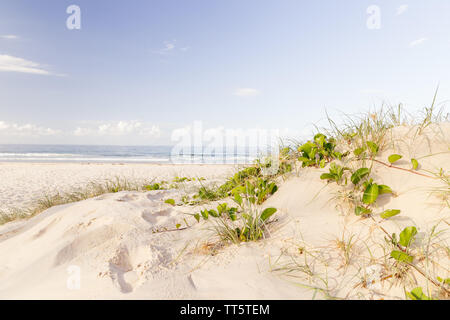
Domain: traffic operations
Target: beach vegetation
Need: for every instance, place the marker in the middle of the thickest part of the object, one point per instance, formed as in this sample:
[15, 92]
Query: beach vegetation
[318, 151]
[153, 186]
[417, 294]
[336, 173]
[415, 164]
[394, 158]
[170, 201]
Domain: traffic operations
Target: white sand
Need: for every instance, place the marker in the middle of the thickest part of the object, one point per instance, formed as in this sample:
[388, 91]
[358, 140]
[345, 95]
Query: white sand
[111, 239]
[23, 183]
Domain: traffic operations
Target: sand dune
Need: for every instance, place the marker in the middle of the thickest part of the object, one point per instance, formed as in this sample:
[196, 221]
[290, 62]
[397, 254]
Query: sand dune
[126, 245]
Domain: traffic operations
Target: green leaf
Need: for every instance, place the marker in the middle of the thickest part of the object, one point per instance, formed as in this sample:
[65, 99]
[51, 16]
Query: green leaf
[446, 281]
[232, 214]
[389, 213]
[238, 198]
[394, 158]
[154, 186]
[415, 164]
[205, 214]
[382, 188]
[327, 176]
[322, 163]
[221, 208]
[362, 211]
[307, 147]
[400, 256]
[178, 226]
[197, 217]
[358, 175]
[267, 213]
[359, 151]
[170, 201]
[213, 213]
[417, 294]
[303, 159]
[407, 236]
[370, 194]
[373, 147]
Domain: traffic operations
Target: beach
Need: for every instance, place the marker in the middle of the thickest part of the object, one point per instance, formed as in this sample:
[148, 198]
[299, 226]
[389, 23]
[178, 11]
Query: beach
[22, 183]
[137, 245]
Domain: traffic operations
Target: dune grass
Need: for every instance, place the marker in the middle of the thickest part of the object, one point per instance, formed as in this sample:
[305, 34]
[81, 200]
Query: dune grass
[350, 150]
[356, 147]
[91, 190]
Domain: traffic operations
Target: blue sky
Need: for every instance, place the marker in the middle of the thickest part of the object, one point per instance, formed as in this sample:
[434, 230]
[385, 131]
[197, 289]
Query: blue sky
[138, 69]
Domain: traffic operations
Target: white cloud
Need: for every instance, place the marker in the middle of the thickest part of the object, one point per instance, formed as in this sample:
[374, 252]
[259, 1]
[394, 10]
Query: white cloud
[14, 129]
[246, 92]
[9, 36]
[402, 9]
[14, 64]
[170, 47]
[417, 42]
[119, 128]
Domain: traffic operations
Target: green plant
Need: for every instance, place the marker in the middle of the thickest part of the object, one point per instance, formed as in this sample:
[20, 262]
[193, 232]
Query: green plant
[170, 201]
[319, 151]
[362, 211]
[373, 148]
[407, 236]
[372, 190]
[417, 294]
[359, 175]
[444, 281]
[415, 164]
[254, 224]
[285, 163]
[394, 158]
[231, 225]
[389, 213]
[181, 179]
[154, 186]
[370, 193]
[336, 172]
[255, 192]
[405, 241]
[401, 256]
[224, 190]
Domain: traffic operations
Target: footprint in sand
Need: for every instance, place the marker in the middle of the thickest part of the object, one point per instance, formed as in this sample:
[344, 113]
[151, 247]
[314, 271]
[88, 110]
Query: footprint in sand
[128, 197]
[156, 217]
[119, 266]
[156, 195]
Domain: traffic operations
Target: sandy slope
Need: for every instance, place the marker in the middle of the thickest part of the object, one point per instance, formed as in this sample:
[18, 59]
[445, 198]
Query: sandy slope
[116, 243]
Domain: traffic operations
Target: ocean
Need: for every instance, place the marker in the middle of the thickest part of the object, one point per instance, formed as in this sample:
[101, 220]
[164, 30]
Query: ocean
[117, 154]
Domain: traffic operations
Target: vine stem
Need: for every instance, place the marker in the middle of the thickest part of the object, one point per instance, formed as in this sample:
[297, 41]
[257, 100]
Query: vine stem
[437, 284]
[407, 170]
